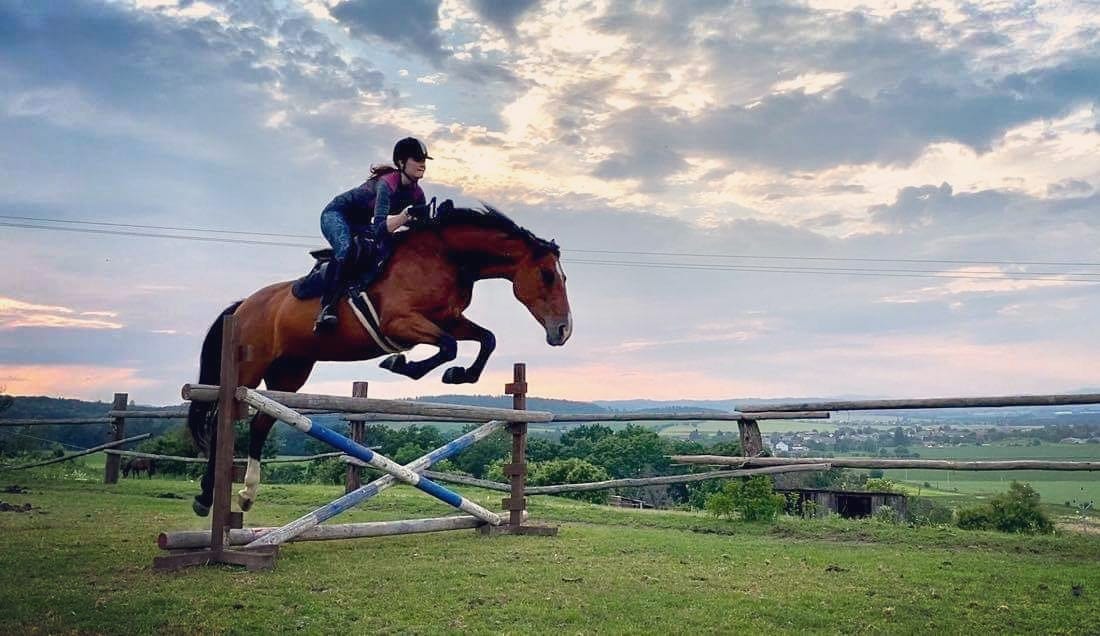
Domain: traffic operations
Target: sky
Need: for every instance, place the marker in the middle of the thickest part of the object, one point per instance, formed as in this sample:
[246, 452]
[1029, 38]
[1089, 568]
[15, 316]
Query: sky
[820, 198]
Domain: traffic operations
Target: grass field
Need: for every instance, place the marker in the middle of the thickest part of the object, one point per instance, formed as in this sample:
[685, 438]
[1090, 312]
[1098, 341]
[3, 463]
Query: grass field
[79, 563]
[1054, 487]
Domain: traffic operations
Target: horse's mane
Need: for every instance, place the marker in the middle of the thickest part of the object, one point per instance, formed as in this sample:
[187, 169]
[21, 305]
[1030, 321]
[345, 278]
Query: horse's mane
[490, 218]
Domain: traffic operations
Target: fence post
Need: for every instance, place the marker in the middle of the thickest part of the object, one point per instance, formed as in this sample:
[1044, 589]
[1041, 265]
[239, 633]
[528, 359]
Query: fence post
[516, 503]
[221, 514]
[115, 432]
[358, 429]
[751, 444]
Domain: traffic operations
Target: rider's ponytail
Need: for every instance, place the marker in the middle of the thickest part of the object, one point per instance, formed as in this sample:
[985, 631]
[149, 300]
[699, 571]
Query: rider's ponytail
[381, 169]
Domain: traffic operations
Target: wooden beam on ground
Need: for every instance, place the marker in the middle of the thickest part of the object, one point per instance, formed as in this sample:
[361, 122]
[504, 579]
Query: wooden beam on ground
[625, 483]
[87, 451]
[243, 536]
[932, 403]
[869, 462]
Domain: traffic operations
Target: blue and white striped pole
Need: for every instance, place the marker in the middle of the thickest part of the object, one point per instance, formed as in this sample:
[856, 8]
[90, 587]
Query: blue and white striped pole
[365, 492]
[386, 465]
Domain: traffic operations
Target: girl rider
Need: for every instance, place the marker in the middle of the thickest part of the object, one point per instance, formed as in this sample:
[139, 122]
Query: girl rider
[375, 210]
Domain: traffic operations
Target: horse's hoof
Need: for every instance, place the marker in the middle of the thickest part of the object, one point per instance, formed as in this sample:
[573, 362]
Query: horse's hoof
[455, 375]
[200, 508]
[393, 363]
[245, 504]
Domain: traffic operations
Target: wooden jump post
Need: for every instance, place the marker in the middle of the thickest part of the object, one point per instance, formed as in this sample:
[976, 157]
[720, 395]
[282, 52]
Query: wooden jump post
[221, 516]
[353, 481]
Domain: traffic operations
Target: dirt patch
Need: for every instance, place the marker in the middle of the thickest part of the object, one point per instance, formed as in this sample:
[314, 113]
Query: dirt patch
[1079, 526]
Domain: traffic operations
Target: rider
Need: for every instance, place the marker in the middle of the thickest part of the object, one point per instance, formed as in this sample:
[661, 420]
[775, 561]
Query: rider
[375, 210]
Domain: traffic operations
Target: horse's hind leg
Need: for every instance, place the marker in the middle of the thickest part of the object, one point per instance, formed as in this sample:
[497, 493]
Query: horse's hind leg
[284, 374]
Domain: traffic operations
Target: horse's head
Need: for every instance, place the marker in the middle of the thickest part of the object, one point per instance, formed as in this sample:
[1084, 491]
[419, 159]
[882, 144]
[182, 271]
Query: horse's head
[539, 284]
[492, 246]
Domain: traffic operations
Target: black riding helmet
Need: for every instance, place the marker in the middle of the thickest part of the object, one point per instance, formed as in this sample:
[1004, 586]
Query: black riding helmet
[409, 148]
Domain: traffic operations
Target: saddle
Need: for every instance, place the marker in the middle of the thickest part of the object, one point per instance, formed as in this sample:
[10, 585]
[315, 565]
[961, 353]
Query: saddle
[364, 270]
[367, 258]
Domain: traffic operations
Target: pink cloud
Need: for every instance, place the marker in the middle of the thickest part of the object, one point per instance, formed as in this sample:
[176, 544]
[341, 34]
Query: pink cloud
[73, 381]
[16, 313]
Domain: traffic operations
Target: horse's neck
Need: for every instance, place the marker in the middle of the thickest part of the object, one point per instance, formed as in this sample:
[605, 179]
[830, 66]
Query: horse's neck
[485, 253]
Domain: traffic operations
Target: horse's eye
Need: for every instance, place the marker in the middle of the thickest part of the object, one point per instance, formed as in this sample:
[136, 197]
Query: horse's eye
[547, 277]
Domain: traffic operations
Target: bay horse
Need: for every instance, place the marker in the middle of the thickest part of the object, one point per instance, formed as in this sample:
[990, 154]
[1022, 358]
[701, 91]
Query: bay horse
[425, 285]
[138, 465]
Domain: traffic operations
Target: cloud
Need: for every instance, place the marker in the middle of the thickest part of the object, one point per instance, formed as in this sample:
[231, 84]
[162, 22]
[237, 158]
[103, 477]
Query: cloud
[503, 14]
[413, 25]
[16, 313]
[71, 381]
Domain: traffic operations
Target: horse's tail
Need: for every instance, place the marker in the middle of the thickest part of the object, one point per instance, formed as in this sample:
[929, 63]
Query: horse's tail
[201, 416]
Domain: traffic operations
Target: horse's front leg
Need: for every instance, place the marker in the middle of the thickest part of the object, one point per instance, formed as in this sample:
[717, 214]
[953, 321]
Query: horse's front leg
[258, 430]
[465, 329]
[283, 374]
[414, 330]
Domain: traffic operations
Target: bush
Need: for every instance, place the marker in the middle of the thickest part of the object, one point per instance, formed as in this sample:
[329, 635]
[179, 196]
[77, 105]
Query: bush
[924, 511]
[754, 499]
[885, 514]
[1014, 511]
[285, 474]
[327, 471]
[881, 485]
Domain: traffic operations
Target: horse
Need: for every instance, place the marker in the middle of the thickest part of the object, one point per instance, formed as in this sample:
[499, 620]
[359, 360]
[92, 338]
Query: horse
[420, 295]
[138, 465]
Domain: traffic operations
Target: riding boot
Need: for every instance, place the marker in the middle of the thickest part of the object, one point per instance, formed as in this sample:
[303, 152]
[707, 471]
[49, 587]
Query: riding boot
[334, 288]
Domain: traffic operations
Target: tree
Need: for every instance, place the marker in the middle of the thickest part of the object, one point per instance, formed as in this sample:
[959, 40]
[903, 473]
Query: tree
[5, 400]
[585, 432]
[569, 471]
[630, 452]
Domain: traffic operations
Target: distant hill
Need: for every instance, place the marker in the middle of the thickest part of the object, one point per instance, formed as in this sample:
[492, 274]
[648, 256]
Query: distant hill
[505, 402]
[42, 407]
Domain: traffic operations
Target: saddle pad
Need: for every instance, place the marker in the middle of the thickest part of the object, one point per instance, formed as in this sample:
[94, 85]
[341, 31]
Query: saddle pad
[364, 310]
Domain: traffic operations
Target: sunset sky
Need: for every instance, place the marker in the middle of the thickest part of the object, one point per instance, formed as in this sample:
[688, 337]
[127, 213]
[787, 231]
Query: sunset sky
[771, 199]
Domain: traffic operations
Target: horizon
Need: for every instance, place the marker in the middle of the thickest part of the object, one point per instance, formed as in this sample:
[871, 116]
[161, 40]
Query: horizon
[813, 197]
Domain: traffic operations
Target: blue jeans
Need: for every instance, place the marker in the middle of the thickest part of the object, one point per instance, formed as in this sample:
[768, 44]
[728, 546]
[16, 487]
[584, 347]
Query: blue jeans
[339, 233]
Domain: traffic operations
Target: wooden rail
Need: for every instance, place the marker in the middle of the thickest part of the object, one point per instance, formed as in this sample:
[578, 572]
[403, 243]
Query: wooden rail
[209, 393]
[868, 462]
[87, 451]
[932, 403]
[610, 484]
[236, 460]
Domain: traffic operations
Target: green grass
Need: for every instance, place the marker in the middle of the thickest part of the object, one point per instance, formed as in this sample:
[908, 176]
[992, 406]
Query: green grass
[80, 563]
[1054, 487]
